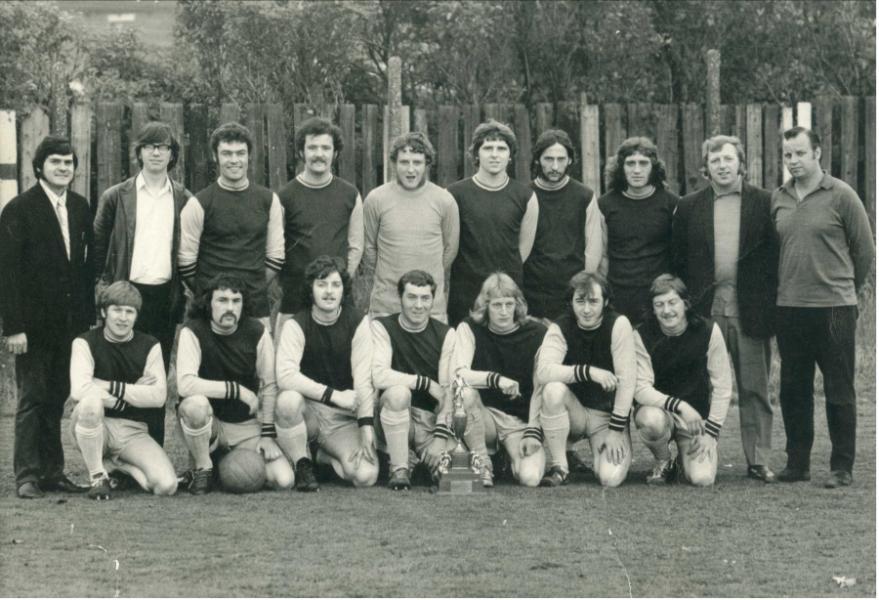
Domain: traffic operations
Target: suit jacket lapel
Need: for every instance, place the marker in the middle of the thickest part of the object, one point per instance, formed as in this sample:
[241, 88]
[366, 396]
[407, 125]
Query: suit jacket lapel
[746, 221]
[129, 205]
[706, 215]
[53, 227]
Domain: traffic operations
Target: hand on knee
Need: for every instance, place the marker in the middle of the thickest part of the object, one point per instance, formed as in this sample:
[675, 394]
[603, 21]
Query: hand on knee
[611, 475]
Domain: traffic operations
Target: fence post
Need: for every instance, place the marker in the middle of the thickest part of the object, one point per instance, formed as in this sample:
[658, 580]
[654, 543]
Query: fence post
[34, 128]
[712, 91]
[394, 125]
[870, 159]
[590, 147]
[81, 139]
[8, 146]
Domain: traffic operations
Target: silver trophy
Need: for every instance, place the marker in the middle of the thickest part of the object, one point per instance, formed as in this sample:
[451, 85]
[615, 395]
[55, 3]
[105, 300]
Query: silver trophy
[458, 472]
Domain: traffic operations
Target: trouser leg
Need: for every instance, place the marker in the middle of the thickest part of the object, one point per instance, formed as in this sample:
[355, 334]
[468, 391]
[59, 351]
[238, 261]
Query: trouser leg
[155, 318]
[796, 344]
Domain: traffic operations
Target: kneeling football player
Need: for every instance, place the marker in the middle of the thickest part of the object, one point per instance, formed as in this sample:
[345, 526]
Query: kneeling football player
[683, 385]
[495, 350]
[586, 366]
[117, 378]
[225, 378]
[323, 364]
[410, 365]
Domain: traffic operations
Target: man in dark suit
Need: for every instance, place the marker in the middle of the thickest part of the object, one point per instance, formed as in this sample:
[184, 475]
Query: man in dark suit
[137, 235]
[46, 299]
[725, 248]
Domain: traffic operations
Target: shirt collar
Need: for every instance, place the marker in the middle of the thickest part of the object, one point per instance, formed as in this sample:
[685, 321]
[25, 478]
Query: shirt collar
[826, 183]
[53, 197]
[736, 189]
[140, 183]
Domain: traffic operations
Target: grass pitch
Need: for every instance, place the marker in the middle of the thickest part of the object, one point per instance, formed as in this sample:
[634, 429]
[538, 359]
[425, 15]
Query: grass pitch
[739, 538]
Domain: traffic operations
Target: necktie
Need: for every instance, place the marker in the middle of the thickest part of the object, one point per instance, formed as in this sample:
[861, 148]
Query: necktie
[61, 211]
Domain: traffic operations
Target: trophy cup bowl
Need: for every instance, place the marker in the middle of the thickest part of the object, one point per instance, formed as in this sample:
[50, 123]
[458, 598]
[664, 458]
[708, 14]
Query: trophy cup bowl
[459, 478]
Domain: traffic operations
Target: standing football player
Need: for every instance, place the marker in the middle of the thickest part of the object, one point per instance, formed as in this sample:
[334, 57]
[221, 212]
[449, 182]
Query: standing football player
[116, 377]
[587, 367]
[684, 385]
[495, 349]
[226, 383]
[323, 365]
[410, 365]
[498, 218]
[564, 244]
[323, 213]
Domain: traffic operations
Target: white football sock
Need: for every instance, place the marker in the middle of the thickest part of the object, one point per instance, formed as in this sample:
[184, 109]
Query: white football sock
[198, 442]
[91, 444]
[395, 424]
[293, 441]
[556, 429]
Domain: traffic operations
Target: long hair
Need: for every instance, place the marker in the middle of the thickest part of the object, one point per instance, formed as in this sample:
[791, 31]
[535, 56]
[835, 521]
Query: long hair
[548, 138]
[201, 304]
[498, 285]
[321, 267]
[52, 144]
[318, 126]
[616, 175]
[492, 130]
[156, 132]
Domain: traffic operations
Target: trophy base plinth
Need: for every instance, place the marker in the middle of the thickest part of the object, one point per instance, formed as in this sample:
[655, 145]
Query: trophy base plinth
[460, 481]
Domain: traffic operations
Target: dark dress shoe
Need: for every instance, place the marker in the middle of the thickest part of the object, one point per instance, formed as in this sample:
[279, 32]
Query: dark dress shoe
[63, 484]
[838, 478]
[762, 473]
[29, 490]
[790, 475]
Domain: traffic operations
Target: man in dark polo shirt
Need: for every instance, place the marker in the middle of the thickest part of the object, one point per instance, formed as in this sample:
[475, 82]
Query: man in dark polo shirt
[826, 254]
[563, 244]
[233, 226]
[323, 213]
[635, 218]
[726, 250]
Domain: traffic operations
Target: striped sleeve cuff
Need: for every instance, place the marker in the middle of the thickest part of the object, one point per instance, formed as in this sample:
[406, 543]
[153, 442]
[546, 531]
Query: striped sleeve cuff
[493, 380]
[422, 383]
[442, 432]
[188, 271]
[534, 433]
[672, 404]
[233, 390]
[581, 373]
[268, 430]
[117, 388]
[120, 405]
[617, 422]
[712, 428]
[275, 264]
[327, 397]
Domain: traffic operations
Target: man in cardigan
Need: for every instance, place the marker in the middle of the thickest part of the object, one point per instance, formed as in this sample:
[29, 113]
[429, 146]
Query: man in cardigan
[725, 249]
[137, 235]
[323, 213]
[233, 226]
[46, 299]
[826, 256]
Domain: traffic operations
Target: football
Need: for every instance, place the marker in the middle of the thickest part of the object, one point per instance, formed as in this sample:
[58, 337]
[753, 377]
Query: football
[242, 471]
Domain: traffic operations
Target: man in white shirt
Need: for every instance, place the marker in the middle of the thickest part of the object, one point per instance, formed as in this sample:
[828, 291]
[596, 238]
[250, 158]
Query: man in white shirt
[137, 235]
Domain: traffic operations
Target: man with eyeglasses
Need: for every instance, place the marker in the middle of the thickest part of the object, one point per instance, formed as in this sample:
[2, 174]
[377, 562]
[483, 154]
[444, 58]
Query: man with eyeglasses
[137, 235]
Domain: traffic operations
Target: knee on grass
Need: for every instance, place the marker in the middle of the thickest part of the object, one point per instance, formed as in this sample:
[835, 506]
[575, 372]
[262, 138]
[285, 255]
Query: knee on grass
[531, 469]
[365, 475]
[279, 474]
[700, 474]
[165, 485]
[611, 475]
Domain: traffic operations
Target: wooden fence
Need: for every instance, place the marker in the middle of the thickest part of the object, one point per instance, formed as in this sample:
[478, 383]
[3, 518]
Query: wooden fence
[102, 134]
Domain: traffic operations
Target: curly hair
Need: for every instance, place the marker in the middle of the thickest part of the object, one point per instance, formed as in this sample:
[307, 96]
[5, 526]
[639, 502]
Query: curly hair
[231, 132]
[498, 285]
[320, 268]
[156, 132]
[318, 126]
[492, 130]
[52, 144]
[615, 173]
[415, 142]
[548, 138]
[715, 144]
[201, 304]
